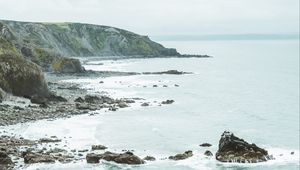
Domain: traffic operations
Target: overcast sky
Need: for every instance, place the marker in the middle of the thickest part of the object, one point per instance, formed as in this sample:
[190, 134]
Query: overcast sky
[164, 17]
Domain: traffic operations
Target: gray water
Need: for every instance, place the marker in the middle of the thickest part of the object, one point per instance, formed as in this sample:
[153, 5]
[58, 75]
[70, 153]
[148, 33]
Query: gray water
[249, 87]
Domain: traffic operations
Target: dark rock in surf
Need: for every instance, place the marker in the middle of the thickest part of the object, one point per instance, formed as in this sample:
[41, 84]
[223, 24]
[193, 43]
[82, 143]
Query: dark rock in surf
[167, 102]
[181, 156]
[205, 145]
[234, 149]
[123, 158]
[149, 158]
[208, 153]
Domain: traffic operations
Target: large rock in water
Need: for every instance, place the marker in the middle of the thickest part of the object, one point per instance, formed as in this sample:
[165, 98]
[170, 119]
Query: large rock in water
[21, 77]
[123, 158]
[234, 149]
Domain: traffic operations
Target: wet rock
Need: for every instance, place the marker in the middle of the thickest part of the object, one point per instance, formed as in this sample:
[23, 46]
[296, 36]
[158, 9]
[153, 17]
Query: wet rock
[91, 99]
[145, 104]
[101, 82]
[208, 153]
[165, 86]
[56, 98]
[123, 158]
[234, 149]
[182, 156]
[176, 85]
[292, 153]
[98, 147]
[5, 160]
[79, 100]
[49, 140]
[167, 102]
[155, 85]
[31, 157]
[205, 145]
[149, 158]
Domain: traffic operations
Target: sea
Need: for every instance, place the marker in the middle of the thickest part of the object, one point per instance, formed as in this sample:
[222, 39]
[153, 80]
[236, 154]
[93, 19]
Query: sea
[247, 87]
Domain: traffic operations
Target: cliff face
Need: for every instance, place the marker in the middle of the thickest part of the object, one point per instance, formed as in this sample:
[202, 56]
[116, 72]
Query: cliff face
[74, 39]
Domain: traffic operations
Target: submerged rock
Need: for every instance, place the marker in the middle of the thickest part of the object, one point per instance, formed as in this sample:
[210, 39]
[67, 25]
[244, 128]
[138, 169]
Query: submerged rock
[123, 158]
[182, 156]
[175, 72]
[234, 149]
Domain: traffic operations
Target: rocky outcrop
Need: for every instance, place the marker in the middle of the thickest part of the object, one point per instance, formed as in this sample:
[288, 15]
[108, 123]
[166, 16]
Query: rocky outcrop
[234, 149]
[123, 158]
[181, 156]
[21, 77]
[67, 65]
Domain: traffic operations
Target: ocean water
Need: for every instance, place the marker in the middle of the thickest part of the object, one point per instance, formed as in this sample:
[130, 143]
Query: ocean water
[250, 88]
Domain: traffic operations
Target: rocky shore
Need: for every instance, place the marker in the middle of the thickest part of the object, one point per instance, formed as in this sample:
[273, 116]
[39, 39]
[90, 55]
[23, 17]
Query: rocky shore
[16, 152]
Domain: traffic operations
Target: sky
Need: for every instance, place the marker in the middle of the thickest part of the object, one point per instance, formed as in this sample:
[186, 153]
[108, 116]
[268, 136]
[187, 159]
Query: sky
[164, 17]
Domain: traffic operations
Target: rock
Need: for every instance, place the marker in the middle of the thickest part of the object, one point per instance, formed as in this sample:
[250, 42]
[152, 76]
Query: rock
[167, 102]
[56, 98]
[37, 99]
[292, 153]
[175, 72]
[208, 153]
[145, 104]
[155, 85]
[67, 65]
[49, 140]
[31, 157]
[21, 77]
[79, 100]
[101, 82]
[5, 159]
[182, 156]
[1, 95]
[205, 145]
[149, 158]
[98, 147]
[165, 86]
[234, 149]
[122, 105]
[176, 85]
[123, 158]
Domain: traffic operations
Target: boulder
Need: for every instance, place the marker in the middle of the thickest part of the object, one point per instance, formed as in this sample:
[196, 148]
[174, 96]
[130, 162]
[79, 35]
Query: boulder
[149, 158]
[167, 102]
[234, 149]
[123, 158]
[5, 161]
[1, 95]
[208, 153]
[31, 157]
[67, 65]
[182, 156]
[21, 77]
